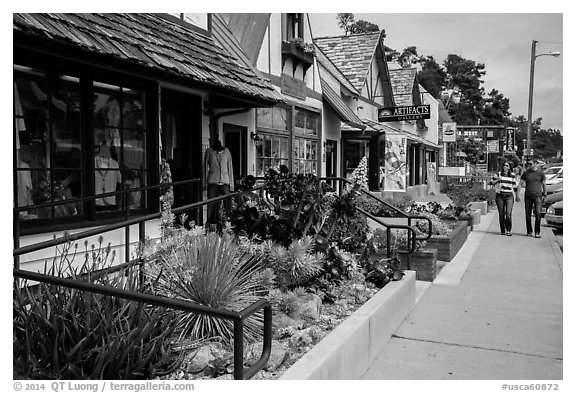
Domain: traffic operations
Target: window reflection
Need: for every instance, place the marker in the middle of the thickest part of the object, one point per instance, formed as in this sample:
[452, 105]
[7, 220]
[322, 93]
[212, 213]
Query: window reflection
[48, 142]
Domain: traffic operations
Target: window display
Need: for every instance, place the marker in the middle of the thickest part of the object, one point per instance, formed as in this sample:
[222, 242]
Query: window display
[53, 142]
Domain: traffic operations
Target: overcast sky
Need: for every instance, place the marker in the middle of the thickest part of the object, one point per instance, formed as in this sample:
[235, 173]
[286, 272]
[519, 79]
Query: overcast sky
[501, 41]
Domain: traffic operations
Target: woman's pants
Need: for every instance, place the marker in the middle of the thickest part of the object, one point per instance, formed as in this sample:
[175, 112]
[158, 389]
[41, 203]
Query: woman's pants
[505, 202]
[216, 190]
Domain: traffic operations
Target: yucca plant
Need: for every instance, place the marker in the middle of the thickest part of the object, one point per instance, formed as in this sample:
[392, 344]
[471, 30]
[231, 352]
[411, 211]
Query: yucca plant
[213, 271]
[64, 333]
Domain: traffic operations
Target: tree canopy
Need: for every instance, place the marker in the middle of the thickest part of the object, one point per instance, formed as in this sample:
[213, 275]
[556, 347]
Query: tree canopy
[458, 83]
[348, 23]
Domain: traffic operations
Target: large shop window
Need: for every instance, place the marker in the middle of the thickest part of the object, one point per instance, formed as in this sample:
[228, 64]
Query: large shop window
[119, 144]
[276, 130]
[48, 143]
[305, 159]
[272, 151]
[306, 127]
[52, 146]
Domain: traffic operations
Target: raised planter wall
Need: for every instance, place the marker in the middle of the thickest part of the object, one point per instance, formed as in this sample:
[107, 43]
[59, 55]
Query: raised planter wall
[483, 206]
[348, 351]
[423, 262]
[449, 246]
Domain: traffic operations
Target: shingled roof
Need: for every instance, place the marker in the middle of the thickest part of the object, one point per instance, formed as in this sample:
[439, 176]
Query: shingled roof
[152, 42]
[327, 64]
[351, 54]
[402, 81]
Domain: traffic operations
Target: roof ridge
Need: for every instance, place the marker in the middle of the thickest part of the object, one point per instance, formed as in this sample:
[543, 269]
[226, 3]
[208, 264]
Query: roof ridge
[350, 35]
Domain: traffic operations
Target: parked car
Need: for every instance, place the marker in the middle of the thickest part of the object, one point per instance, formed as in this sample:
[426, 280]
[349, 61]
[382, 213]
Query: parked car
[557, 178]
[554, 188]
[551, 199]
[553, 171]
[554, 215]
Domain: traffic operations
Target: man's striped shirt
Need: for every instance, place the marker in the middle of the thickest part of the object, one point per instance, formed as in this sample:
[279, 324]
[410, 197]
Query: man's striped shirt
[504, 184]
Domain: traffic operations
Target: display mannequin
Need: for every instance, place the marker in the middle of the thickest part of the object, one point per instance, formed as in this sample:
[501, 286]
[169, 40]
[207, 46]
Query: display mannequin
[219, 177]
[107, 178]
[433, 188]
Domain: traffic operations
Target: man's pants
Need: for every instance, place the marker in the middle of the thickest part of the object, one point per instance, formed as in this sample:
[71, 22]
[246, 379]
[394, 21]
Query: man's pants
[533, 204]
[505, 202]
[216, 190]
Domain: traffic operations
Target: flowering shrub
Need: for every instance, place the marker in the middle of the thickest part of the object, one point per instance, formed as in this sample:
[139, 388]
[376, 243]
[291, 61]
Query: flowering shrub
[360, 175]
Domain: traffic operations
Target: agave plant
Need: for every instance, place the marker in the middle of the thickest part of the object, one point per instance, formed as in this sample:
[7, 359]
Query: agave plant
[213, 271]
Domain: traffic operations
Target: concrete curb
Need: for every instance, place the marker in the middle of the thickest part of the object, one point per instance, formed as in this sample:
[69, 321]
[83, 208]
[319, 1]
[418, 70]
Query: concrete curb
[348, 351]
[452, 272]
[556, 251]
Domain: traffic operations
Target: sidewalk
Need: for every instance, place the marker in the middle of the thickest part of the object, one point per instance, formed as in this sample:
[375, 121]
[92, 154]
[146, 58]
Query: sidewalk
[494, 312]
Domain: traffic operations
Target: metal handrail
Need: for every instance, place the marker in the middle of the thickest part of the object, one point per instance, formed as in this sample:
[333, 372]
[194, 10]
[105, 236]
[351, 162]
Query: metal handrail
[103, 195]
[110, 227]
[237, 317]
[410, 217]
[412, 239]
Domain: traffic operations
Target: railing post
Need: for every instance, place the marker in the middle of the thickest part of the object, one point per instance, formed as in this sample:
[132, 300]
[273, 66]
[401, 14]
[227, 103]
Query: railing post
[238, 349]
[125, 200]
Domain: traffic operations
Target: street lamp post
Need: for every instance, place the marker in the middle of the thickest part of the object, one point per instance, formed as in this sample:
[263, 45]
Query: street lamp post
[533, 57]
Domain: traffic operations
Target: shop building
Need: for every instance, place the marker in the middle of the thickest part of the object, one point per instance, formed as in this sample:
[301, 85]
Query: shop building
[398, 151]
[101, 99]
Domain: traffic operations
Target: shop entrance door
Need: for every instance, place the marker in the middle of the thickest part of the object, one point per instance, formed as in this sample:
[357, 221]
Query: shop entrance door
[235, 138]
[182, 146]
[331, 160]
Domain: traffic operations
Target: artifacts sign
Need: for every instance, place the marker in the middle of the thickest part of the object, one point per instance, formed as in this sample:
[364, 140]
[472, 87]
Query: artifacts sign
[415, 112]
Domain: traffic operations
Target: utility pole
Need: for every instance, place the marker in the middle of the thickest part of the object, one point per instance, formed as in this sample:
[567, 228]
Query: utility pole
[530, 98]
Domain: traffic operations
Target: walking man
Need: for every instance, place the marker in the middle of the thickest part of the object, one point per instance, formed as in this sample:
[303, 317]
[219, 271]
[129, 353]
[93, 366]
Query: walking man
[534, 182]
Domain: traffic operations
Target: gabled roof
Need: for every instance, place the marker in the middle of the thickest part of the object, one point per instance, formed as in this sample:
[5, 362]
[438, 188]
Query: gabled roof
[351, 54]
[344, 113]
[153, 43]
[249, 30]
[334, 71]
[402, 81]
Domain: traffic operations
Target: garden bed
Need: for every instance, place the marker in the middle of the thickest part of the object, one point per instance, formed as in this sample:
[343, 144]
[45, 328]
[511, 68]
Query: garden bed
[348, 351]
[449, 246]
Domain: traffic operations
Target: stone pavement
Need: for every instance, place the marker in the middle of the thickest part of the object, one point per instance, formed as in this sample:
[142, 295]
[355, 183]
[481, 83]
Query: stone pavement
[494, 312]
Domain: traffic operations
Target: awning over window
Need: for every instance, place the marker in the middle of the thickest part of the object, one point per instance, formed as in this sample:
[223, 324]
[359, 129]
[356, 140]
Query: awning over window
[159, 44]
[344, 113]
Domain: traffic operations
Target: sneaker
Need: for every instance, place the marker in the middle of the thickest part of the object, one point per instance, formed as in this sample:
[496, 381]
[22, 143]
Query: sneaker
[529, 234]
[537, 235]
[508, 233]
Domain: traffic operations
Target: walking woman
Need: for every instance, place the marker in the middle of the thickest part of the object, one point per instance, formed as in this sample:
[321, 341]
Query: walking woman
[506, 186]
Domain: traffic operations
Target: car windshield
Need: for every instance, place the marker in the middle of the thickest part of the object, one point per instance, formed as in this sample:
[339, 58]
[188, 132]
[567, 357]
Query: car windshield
[552, 171]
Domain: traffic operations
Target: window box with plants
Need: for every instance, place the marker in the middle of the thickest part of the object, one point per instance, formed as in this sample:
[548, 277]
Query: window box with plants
[302, 52]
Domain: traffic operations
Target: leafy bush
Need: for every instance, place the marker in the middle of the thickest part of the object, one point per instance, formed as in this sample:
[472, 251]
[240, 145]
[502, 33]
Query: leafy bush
[381, 271]
[213, 271]
[296, 205]
[471, 191]
[63, 333]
